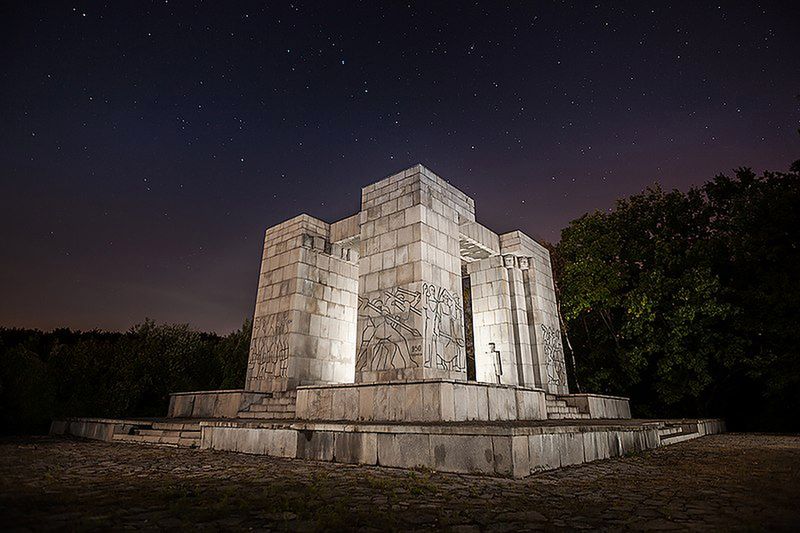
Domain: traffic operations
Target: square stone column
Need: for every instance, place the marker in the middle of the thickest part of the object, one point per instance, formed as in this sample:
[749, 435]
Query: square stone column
[410, 311]
[503, 350]
[304, 322]
[549, 368]
[520, 325]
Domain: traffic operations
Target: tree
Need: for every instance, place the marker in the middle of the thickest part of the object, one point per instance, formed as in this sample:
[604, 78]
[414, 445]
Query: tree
[685, 300]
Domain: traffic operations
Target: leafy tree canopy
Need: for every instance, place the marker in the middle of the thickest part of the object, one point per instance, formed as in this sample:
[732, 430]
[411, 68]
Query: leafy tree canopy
[687, 302]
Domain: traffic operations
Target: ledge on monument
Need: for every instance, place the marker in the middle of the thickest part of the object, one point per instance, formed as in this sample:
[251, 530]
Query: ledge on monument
[220, 391]
[494, 448]
[599, 405]
[426, 400]
[224, 403]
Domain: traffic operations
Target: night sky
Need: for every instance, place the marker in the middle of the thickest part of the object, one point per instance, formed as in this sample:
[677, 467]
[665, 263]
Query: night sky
[146, 146]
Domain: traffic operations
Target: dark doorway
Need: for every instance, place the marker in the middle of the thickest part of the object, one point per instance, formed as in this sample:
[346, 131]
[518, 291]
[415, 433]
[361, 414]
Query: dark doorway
[469, 339]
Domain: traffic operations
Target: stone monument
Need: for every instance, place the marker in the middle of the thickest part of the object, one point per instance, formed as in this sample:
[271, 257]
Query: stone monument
[378, 297]
[405, 335]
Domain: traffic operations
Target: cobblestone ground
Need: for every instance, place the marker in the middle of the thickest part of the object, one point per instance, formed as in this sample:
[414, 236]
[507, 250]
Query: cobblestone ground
[718, 482]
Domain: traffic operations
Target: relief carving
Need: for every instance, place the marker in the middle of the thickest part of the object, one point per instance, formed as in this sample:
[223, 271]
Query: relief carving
[390, 338]
[444, 329]
[554, 355]
[269, 349]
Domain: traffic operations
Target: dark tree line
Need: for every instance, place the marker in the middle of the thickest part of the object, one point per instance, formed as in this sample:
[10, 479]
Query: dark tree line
[96, 373]
[688, 301]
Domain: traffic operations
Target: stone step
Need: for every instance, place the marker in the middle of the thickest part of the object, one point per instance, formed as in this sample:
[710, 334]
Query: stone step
[266, 415]
[567, 416]
[679, 437]
[277, 401]
[167, 433]
[175, 434]
[669, 430]
[155, 440]
[176, 426]
[260, 408]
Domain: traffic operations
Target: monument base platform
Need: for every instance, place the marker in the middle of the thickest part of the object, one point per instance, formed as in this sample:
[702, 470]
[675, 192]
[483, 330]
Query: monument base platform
[502, 448]
[430, 400]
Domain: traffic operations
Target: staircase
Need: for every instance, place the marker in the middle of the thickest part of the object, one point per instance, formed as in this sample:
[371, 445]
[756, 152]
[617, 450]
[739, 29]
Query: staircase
[272, 406]
[679, 432]
[557, 409]
[175, 434]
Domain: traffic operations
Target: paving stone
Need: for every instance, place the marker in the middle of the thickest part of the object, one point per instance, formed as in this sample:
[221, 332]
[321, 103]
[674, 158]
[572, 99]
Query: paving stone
[719, 482]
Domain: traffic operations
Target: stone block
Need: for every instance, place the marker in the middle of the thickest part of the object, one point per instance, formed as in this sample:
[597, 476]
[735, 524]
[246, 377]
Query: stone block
[465, 454]
[395, 403]
[301, 405]
[502, 403]
[520, 456]
[431, 402]
[344, 403]
[460, 402]
[380, 409]
[531, 405]
[404, 450]
[414, 404]
[366, 403]
[477, 403]
[615, 448]
[356, 448]
[319, 404]
[571, 446]
[503, 454]
[447, 401]
[628, 439]
[543, 453]
[315, 444]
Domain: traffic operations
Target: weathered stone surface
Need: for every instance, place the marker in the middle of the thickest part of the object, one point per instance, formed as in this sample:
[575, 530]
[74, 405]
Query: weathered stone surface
[466, 454]
[420, 401]
[358, 448]
[410, 450]
[316, 445]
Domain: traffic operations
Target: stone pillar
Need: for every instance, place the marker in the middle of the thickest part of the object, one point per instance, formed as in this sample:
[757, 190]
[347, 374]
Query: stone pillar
[410, 311]
[503, 348]
[549, 369]
[304, 321]
[495, 353]
[549, 359]
[519, 322]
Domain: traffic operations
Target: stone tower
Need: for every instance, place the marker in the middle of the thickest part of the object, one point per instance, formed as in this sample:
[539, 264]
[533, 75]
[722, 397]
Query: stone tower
[378, 297]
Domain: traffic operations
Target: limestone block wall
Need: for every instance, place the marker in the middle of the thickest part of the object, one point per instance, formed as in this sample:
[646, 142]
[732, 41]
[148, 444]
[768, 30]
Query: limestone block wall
[211, 404]
[378, 297]
[304, 321]
[495, 352]
[420, 401]
[549, 368]
[520, 323]
[410, 311]
[599, 405]
[205, 404]
[465, 449]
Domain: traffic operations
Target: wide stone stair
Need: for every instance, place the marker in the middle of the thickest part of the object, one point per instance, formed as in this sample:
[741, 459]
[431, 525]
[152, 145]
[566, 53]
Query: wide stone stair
[176, 434]
[272, 406]
[678, 432]
[557, 409]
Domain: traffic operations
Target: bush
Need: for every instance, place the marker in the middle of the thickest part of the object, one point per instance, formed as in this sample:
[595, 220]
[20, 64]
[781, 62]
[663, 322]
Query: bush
[44, 375]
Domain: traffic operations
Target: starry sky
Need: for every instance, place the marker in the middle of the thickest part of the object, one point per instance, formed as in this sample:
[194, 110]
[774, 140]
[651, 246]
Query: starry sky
[146, 146]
